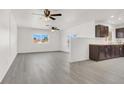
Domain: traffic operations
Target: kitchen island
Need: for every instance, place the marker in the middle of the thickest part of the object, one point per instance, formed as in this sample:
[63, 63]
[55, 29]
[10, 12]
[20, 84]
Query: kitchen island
[99, 52]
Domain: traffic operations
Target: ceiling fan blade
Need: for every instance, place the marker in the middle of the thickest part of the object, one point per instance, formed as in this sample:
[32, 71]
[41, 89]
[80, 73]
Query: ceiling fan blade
[55, 28]
[55, 14]
[46, 12]
[52, 18]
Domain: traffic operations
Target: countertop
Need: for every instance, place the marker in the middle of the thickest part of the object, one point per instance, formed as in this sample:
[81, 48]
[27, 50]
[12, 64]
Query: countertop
[105, 44]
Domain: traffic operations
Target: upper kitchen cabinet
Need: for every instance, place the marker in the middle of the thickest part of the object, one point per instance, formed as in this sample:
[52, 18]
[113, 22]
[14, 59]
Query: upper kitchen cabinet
[120, 33]
[101, 31]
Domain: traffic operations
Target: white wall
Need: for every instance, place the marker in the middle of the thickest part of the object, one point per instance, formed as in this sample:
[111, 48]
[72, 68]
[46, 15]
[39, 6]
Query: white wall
[13, 38]
[26, 45]
[8, 45]
[79, 49]
[120, 26]
[4, 41]
[85, 30]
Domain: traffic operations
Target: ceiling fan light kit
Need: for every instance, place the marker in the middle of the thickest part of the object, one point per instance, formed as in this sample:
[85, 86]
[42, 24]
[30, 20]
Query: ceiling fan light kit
[53, 30]
[48, 16]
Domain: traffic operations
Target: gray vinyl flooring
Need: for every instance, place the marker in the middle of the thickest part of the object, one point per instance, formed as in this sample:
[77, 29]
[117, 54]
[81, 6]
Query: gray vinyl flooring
[54, 68]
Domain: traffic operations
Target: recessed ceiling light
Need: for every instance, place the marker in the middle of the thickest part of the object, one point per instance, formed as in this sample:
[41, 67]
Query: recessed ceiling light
[112, 16]
[119, 18]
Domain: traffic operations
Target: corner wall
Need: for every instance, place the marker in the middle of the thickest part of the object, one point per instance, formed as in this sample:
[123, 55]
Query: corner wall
[8, 41]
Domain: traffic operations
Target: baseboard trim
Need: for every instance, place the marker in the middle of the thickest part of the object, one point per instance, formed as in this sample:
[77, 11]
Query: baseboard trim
[79, 61]
[42, 52]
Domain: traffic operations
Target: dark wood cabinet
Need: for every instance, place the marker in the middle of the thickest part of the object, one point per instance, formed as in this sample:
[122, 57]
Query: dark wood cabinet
[101, 31]
[120, 33]
[102, 52]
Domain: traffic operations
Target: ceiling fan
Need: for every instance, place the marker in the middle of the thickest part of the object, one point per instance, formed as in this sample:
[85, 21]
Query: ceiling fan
[53, 28]
[48, 15]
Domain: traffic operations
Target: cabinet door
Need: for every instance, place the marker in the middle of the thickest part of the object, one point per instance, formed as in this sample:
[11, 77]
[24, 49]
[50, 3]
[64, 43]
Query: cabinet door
[108, 51]
[101, 31]
[113, 51]
[120, 33]
[102, 54]
[94, 52]
[121, 50]
[97, 30]
[117, 49]
[106, 30]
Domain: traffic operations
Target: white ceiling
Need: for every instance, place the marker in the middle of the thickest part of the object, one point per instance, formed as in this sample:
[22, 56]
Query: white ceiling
[69, 18]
